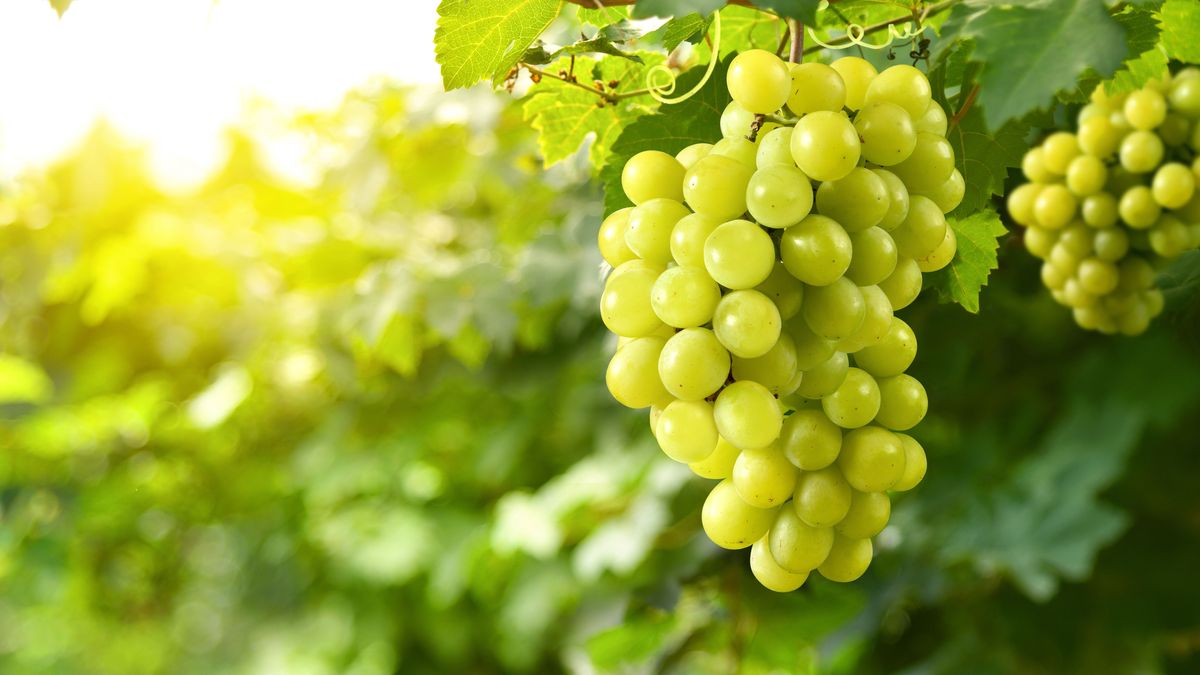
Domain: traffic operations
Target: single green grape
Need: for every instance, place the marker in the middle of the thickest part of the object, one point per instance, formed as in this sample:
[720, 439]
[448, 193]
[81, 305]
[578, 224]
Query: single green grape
[932, 120]
[854, 403]
[739, 255]
[1136, 274]
[824, 378]
[1145, 109]
[1098, 277]
[763, 477]
[1175, 130]
[856, 201]
[1058, 150]
[822, 497]
[914, 464]
[775, 148]
[1099, 210]
[835, 311]
[949, 194]
[902, 402]
[1020, 203]
[1111, 244]
[816, 251]
[716, 186]
[747, 323]
[874, 258]
[784, 290]
[773, 370]
[811, 349]
[887, 132]
[1077, 239]
[825, 145]
[1169, 237]
[730, 522]
[1141, 151]
[1098, 137]
[942, 255]
[648, 233]
[1185, 96]
[904, 285]
[625, 304]
[1138, 207]
[1055, 207]
[688, 237]
[923, 230]
[857, 74]
[868, 515]
[848, 559]
[631, 376]
[759, 81]
[795, 545]
[897, 200]
[1034, 167]
[1039, 241]
[611, 238]
[892, 355]
[876, 321]
[693, 153]
[815, 86]
[770, 573]
[693, 365]
[735, 121]
[902, 85]
[742, 149]
[809, 440]
[651, 174]
[686, 431]
[1086, 175]
[779, 196]
[928, 166]
[1173, 186]
[719, 464]
[684, 297]
[748, 415]
[872, 459]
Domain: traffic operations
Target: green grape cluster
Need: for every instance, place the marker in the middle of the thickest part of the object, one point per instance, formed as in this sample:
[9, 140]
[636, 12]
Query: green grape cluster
[1109, 204]
[753, 291]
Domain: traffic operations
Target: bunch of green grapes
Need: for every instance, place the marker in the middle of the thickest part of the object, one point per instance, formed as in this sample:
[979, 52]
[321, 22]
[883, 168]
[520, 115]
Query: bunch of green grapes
[753, 288]
[1107, 205]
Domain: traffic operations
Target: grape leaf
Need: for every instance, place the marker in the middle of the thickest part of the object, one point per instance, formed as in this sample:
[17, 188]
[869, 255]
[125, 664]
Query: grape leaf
[1147, 60]
[1030, 52]
[603, 16]
[478, 39]
[744, 28]
[676, 7]
[671, 129]
[966, 275]
[1181, 29]
[682, 28]
[805, 11]
[564, 115]
[983, 158]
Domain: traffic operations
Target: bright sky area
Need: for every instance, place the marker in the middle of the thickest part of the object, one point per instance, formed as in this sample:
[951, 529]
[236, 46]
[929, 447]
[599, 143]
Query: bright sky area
[173, 74]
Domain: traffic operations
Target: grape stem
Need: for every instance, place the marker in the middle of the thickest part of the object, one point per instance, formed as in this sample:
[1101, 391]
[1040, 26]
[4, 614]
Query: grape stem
[796, 55]
[966, 106]
[611, 98]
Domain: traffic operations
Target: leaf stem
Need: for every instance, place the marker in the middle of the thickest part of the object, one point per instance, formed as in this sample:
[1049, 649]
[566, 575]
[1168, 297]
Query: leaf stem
[611, 98]
[966, 106]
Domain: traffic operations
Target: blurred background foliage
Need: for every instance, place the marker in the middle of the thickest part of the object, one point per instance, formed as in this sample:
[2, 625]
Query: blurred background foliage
[360, 426]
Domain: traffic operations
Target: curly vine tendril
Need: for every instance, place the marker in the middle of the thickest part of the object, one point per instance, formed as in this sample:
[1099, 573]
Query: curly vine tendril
[855, 34]
[660, 80]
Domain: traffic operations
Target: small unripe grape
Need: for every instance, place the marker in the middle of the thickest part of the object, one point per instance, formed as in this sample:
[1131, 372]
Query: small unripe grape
[1111, 243]
[688, 156]
[892, 355]
[686, 431]
[857, 74]
[648, 233]
[1034, 166]
[1097, 277]
[716, 186]
[874, 257]
[1021, 201]
[747, 415]
[856, 201]
[772, 370]
[730, 522]
[684, 297]
[887, 132]
[809, 440]
[775, 148]
[1141, 151]
[735, 121]
[898, 200]
[923, 230]
[1039, 241]
[779, 196]
[904, 285]
[1055, 207]
[651, 174]
[625, 305]
[1185, 96]
[941, 256]
[855, 402]
[1086, 175]
[1052, 277]
[1099, 210]
[1175, 130]
[824, 378]
[834, 311]
[1173, 186]
[1145, 109]
[816, 251]
[876, 321]
[692, 364]
[747, 323]
[950, 193]
[612, 238]
[764, 477]
[825, 145]
[759, 81]
[929, 165]
[1138, 208]
[815, 86]
[631, 376]
[822, 497]
[739, 255]
[872, 459]
[719, 464]
[771, 574]
[688, 237]
[914, 464]
[1098, 137]
[848, 559]
[868, 515]
[902, 85]
[932, 120]
[902, 402]
[795, 545]
[1169, 237]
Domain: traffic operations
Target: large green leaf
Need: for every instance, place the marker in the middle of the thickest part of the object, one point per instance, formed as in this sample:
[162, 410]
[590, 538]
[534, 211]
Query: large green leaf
[1031, 51]
[676, 7]
[805, 11]
[478, 39]
[966, 275]
[671, 129]
[1147, 59]
[1181, 29]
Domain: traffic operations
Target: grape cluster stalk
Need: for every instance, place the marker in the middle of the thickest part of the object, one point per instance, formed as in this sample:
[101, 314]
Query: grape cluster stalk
[1108, 205]
[753, 290]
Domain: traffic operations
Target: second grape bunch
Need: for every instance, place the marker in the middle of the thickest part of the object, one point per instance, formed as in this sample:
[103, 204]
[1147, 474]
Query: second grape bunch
[753, 291]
